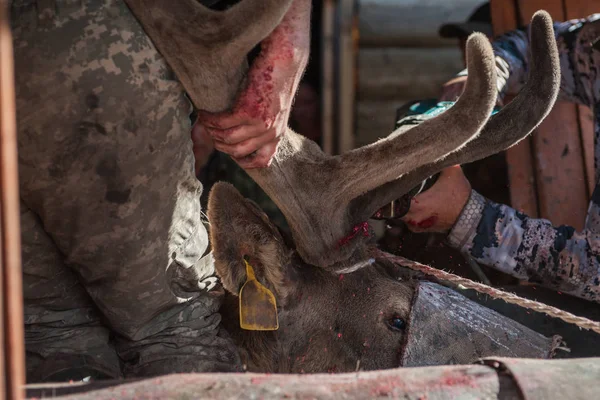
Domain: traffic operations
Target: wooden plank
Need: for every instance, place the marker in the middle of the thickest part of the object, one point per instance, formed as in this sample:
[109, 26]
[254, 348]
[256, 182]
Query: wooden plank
[559, 168]
[415, 23]
[561, 184]
[574, 379]
[586, 128]
[431, 383]
[12, 289]
[327, 75]
[579, 9]
[348, 48]
[521, 178]
[504, 16]
[390, 73]
[376, 119]
[521, 174]
[2, 329]
[528, 7]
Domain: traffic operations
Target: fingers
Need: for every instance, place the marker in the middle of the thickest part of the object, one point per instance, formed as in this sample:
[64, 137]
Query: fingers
[429, 224]
[224, 120]
[247, 147]
[262, 158]
[451, 171]
[423, 215]
[418, 210]
[451, 94]
[236, 134]
[437, 209]
[453, 89]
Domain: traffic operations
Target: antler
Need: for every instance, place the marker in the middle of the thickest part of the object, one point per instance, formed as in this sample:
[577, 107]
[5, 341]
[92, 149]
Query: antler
[315, 191]
[324, 197]
[207, 49]
[505, 129]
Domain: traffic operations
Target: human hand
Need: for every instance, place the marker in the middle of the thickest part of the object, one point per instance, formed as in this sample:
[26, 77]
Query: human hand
[251, 132]
[438, 208]
[452, 89]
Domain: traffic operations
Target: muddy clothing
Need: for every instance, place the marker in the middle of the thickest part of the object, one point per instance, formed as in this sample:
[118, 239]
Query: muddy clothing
[527, 248]
[116, 275]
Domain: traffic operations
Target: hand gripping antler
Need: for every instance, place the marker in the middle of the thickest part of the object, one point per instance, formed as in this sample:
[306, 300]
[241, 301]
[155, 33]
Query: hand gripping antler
[323, 197]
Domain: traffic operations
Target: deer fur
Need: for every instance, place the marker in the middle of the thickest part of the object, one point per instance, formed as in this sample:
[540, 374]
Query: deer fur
[207, 49]
[318, 311]
[323, 197]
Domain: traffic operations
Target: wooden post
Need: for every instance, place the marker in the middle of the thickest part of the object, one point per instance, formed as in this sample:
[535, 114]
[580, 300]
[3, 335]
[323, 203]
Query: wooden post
[561, 181]
[11, 289]
[348, 48]
[521, 176]
[327, 74]
[551, 173]
[579, 9]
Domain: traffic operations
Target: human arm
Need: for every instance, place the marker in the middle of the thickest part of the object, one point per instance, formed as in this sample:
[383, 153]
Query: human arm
[251, 131]
[512, 63]
[578, 81]
[532, 249]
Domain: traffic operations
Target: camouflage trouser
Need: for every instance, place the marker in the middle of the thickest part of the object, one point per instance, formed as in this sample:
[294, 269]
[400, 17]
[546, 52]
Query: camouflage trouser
[115, 273]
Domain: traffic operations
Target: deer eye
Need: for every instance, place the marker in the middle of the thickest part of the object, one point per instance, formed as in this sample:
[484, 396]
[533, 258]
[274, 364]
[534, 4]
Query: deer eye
[396, 323]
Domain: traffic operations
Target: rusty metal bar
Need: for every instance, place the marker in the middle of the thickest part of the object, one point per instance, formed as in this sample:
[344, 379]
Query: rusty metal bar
[12, 291]
[496, 378]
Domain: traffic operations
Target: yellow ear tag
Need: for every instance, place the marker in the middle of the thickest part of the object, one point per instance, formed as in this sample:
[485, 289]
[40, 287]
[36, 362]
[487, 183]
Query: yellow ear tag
[258, 308]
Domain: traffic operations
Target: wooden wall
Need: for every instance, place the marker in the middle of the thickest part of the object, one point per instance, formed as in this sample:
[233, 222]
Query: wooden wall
[401, 58]
[389, 53]
[551, 173]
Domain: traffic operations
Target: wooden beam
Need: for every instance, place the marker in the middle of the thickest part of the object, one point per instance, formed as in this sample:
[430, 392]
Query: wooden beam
[580, 9]
[561, 184]
[497, 378]
[376, 119]
[348, 49]
[3, 328]
[521, 175]
[390, 73]
[393, 23]
[586, 128]
[12, 289]
[562, 188]
[327, 74]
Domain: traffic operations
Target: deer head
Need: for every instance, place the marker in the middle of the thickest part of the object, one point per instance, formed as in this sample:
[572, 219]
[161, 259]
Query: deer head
[325, 197]
[377, 317]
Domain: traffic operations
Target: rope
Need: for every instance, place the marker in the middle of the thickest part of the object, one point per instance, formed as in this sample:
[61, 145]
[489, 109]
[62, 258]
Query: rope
[511, 298]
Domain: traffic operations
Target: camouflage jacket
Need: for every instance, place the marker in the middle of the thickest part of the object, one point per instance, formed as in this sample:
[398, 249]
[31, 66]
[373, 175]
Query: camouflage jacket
[532, 249]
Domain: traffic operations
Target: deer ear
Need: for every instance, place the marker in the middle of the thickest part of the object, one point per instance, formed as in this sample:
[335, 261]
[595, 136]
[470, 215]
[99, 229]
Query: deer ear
[238, 229]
